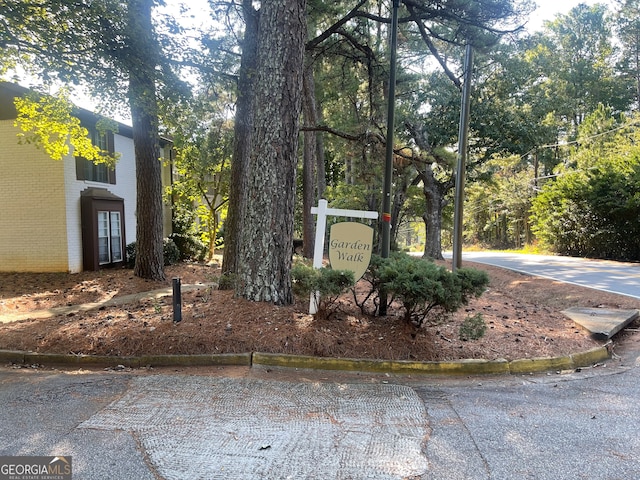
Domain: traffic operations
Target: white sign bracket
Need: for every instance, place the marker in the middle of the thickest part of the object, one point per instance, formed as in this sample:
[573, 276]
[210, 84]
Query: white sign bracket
[322, 211]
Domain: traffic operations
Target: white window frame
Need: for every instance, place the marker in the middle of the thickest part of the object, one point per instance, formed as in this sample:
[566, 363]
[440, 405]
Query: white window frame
[109, 230]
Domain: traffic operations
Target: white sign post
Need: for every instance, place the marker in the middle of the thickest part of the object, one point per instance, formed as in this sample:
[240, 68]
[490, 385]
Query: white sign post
[321, 226]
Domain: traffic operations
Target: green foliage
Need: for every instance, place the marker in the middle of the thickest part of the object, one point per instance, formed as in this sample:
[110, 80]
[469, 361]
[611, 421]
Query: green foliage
[186, 238]
[170, 252]
[422, 286]
[47, 122]
[560, 215]
[130, 251]
[497, 209]
[329, 284]
[203, 141]
[326, 281]
[594, 214]
[472, 282]
[593, 209]
[576, 59]
[227, 281]
[473, 328]
[369, 301]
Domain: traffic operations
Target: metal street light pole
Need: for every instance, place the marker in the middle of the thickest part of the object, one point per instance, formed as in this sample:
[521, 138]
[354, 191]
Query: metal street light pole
[388, 168]
[463, 145]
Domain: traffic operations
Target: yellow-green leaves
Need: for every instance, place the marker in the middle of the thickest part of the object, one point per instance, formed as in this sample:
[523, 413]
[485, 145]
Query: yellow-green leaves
[47, 122]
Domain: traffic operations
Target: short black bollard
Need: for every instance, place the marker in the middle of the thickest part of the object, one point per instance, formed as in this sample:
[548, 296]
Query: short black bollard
[177, 300]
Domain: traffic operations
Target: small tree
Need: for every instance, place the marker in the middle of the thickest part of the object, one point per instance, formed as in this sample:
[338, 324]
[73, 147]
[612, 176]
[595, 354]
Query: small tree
[423, 286]
[201, 186]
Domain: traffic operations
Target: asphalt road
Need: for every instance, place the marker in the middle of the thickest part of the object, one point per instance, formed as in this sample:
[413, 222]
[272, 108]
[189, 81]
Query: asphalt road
[610, 276]
[241, 423]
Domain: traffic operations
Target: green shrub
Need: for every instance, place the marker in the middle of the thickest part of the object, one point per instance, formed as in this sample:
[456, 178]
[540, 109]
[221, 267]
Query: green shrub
[130, 250]
[334, 282]
[227, 281]
[473, 328]
[303, 278]
[190, 246]
[473, 282]
[169, 249]
[186, 236]
[422, 286]
[327, 282]
[369, 299]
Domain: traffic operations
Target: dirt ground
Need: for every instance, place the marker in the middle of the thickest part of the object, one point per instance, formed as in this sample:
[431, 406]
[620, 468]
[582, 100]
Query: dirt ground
[522, 314]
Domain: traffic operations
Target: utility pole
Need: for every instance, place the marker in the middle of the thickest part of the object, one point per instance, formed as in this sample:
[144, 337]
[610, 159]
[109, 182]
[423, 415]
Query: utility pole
[463, 146]
[388, 167]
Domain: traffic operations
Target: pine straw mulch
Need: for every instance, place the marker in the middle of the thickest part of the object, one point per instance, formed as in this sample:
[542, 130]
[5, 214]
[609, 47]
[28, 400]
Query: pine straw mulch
[522, 314]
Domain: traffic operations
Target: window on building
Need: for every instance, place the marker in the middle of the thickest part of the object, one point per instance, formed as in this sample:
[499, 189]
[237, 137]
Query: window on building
[86, 170]
[109, 237]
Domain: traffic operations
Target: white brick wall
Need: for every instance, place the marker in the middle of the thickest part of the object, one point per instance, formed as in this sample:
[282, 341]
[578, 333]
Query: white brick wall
[125, 187]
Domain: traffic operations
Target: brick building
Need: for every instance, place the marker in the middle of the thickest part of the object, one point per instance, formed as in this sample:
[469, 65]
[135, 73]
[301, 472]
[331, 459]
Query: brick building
[69, 215]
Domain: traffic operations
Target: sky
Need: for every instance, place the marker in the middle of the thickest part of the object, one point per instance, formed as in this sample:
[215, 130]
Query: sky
[548, 9]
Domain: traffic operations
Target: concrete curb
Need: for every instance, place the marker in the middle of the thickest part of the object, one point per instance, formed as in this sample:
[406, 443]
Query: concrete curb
[459, 367]
[31, 358]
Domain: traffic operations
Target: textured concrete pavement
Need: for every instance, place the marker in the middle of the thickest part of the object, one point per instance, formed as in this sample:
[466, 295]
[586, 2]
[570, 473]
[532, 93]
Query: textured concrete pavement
[40, 413]
[221, 428]
[242, 423]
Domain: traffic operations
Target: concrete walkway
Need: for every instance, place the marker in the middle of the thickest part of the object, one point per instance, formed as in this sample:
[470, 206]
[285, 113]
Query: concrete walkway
[229, 428]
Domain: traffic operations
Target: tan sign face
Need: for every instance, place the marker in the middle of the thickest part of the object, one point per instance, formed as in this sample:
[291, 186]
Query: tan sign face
[350, 246]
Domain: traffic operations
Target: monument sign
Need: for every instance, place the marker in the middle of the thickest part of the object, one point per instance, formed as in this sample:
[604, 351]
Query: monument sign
[350, 246]
[346, 249]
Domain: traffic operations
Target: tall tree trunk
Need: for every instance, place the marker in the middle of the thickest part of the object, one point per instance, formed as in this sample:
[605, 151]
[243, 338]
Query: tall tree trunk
[434, 191]
[242, 139]
[401, 187]
[144, 114]
[266, 237]
[434, 203]
[310, 162]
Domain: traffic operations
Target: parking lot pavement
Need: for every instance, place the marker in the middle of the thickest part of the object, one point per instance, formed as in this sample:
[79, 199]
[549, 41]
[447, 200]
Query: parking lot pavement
[41, 412]
[221, 428]
[276, 424]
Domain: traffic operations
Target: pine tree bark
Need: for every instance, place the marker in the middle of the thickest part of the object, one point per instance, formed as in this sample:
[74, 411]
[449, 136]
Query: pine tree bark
[242, 139]
[309, 163]
[266, 237]
[141, 64]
